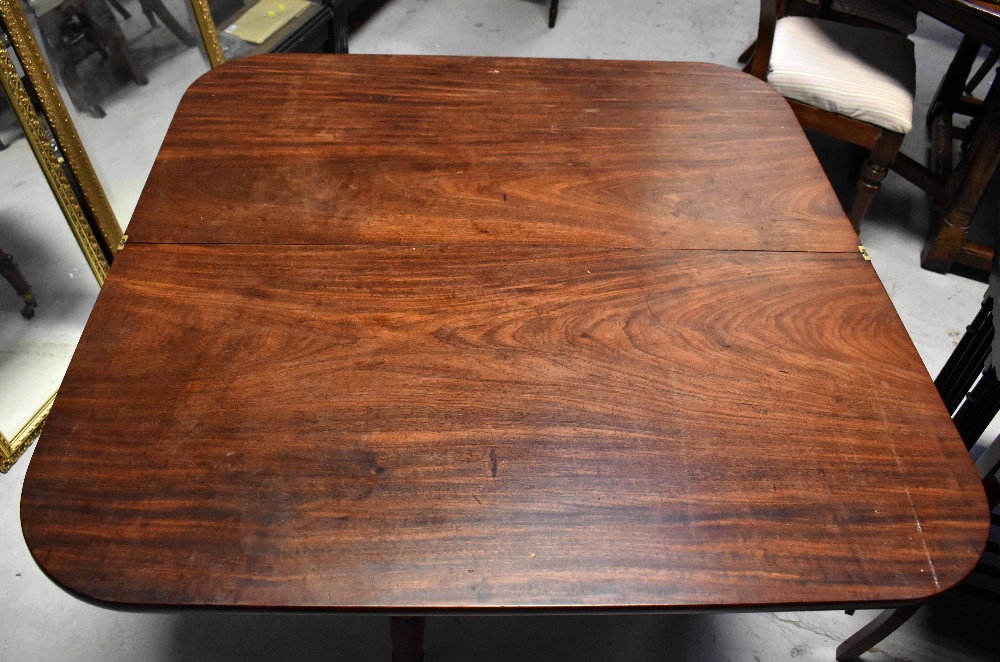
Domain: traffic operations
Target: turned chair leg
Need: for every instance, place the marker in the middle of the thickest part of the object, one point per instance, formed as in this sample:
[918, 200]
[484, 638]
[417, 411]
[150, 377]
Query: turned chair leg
[10, 273]
[884, 624]
[747, 54]
[873, 172]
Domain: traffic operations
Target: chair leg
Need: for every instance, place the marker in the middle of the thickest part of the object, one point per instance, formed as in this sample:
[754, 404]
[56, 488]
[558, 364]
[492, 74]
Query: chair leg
[340, 31]
[884, 624]
[991, 61]
[883, 154]
[553, 10]
[965, 364]
[950, 89]
[979, 409]
[117, 6]
[10, 273]
[745, 56]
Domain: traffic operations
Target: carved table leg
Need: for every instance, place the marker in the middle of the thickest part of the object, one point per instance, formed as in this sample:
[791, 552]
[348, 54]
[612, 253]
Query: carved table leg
[407, 638]
[12, 275]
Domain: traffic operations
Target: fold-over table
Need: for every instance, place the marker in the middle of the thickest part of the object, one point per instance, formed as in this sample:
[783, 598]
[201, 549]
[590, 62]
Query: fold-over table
[419, 335]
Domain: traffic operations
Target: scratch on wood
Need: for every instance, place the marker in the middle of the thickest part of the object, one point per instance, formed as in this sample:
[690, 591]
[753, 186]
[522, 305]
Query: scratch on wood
[493, 462]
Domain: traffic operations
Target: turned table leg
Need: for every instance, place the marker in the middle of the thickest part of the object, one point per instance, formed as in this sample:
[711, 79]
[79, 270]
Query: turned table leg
[407, 634]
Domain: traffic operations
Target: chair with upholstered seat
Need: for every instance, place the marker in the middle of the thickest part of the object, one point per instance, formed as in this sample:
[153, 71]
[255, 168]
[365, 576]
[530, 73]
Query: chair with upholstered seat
[853, 83]
[896, 15]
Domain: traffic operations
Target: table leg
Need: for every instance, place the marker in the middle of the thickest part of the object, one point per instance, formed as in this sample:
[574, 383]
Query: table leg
[884, 624]
[979, 409]
[965, 189]
[407, 634]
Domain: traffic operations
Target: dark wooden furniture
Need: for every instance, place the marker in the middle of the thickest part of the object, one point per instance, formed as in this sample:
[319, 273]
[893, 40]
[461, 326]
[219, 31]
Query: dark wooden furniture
[883, 144]
[489, 334]
[75, 30]
[312, 31]
[155, 9]
[959, 190]
[342, 10]
[10, 273]
[828, 10]
[970, 390]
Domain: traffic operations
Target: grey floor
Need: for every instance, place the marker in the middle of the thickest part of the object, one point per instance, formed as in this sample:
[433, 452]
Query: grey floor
[40, 622]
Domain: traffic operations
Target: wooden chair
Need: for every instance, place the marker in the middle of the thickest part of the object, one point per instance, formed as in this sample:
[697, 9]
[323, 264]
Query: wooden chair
[896, 15]
[853, 83]
[954, 96]
[74, 30]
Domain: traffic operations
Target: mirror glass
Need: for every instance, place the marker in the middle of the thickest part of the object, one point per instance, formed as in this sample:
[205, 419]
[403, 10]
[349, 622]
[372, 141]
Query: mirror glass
[254, 27]
[46, 292]
[121, 67]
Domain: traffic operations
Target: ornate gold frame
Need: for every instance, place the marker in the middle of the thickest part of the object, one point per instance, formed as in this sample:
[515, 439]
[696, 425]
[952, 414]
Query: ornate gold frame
[206, 25]
[11, 449]
[88, 214]
[101, 217]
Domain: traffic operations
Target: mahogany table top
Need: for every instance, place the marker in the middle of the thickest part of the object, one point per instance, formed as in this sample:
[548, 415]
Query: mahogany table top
[408, 333]
[977, 18]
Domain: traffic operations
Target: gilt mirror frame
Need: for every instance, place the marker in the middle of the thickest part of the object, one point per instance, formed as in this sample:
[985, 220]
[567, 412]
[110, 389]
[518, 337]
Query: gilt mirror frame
[67, 168]
[209, 35]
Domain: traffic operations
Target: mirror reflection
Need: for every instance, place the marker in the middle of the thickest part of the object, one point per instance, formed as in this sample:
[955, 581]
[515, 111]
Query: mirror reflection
[122, 67]
[46, 294]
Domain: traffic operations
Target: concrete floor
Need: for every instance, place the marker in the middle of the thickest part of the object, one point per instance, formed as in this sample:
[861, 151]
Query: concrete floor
[40, 622]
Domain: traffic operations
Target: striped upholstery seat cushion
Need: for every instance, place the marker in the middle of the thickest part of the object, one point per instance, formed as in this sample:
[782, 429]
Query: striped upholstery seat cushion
[864, 73]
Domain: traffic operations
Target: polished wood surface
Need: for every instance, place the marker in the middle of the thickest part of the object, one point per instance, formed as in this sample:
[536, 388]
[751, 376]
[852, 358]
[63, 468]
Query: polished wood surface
[521, 417]
[486, 150]
[972, 17]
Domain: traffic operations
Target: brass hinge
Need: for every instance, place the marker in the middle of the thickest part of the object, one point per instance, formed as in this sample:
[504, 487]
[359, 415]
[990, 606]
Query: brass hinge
[121, 244]
[864, 253]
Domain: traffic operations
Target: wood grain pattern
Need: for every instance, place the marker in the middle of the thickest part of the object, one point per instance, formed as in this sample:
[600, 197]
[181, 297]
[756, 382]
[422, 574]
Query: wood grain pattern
[461, 427]
[625, 154]
[336, 369]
